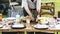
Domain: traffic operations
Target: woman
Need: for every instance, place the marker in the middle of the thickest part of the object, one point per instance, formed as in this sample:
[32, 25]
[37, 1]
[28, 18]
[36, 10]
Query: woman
[32, 8]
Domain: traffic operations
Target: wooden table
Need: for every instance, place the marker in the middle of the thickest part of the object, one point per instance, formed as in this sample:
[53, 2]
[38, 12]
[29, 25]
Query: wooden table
[30, 29]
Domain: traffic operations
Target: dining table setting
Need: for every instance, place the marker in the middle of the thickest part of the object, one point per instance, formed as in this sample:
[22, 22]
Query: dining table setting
[21, 24]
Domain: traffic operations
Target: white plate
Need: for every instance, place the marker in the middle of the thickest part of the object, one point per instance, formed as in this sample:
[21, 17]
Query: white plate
[1, 25]
[40, 26]
[11, 18]
[18, 25]
[58, 18]
[58, 22]
[57, 26]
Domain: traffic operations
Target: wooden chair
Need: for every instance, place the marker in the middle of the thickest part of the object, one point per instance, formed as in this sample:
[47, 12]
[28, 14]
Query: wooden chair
[48, 6]
[11, 4]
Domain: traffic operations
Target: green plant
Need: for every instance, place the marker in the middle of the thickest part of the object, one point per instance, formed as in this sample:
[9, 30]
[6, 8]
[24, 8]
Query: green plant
[21, 19]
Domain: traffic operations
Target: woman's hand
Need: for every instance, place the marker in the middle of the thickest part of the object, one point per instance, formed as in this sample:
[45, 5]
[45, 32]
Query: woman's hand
[37, 18]
[32, 18]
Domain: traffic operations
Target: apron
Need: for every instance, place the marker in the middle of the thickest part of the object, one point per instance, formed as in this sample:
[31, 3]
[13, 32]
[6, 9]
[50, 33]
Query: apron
[32, 8]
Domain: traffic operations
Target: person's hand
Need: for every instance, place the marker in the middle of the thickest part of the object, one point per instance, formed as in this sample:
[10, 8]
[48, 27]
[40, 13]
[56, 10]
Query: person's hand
[37, 18]
[32, 18]
[38, 10]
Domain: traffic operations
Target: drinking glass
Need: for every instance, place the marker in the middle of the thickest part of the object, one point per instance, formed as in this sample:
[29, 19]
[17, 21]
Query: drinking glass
[52, 22]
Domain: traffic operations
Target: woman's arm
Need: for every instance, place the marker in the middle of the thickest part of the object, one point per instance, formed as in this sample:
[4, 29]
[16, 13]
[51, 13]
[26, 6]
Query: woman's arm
[25, 5]
[38, 6]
